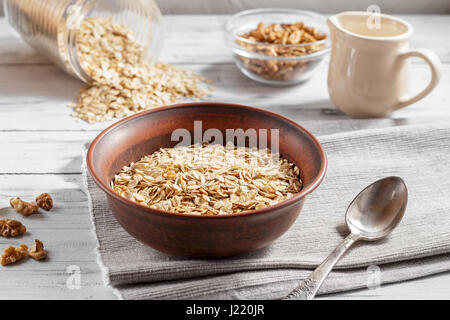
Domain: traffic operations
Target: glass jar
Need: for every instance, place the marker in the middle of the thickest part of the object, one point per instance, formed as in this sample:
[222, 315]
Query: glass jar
[51, 26]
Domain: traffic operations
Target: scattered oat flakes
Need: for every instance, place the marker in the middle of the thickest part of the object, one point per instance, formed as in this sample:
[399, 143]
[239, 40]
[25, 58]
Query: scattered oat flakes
[12, 255]
[11, 228]
[44, 201]
[23, 207]
[208, 179]
[123, 82]
[37, 251]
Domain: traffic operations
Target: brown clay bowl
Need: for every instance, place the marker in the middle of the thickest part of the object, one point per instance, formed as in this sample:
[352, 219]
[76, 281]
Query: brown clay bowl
[132, 138]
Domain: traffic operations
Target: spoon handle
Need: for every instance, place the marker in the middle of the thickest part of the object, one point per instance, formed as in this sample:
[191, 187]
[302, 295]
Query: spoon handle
[308, 287]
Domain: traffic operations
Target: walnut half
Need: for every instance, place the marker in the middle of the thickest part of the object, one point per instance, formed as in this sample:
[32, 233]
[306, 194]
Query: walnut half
[11, 228]
[12, 255]
[23, 207]
[44, 201]
[37, 251]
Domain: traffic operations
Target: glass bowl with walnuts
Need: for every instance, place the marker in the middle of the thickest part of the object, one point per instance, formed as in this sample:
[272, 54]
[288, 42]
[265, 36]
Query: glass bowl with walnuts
[277, 46]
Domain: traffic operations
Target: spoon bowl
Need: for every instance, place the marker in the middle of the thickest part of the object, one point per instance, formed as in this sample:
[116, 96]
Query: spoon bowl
[372, 215]
[377, 209]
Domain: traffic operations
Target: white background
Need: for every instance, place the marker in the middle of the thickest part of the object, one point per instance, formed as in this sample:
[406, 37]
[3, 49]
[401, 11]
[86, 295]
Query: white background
[323, 6]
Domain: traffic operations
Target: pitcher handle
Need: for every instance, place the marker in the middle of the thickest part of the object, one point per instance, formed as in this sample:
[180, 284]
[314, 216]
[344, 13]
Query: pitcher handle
[435, 65]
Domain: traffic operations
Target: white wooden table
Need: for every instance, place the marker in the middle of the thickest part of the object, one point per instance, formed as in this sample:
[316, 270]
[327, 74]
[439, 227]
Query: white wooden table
[40, 145]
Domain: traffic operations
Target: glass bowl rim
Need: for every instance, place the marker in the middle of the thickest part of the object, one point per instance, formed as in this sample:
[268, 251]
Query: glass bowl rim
[229, 33]
[255, 55]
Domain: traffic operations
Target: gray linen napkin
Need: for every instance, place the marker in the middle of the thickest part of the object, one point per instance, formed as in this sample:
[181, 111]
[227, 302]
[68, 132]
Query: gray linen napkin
[420, 245]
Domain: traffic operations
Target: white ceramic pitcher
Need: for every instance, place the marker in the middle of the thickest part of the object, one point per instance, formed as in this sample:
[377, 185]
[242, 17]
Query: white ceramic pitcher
[369, 72]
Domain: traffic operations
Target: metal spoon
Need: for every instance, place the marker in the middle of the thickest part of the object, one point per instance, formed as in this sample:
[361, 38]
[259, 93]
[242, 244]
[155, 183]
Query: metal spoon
[372, 215]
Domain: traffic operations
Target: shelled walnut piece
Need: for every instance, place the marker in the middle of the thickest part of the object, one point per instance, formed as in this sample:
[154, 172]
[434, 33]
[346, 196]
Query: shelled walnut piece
[37, 251]
[123, 82]
[295, 33]
[281, 40]
[11, 228]
[12, 255]
[44, 201]
[23, 207]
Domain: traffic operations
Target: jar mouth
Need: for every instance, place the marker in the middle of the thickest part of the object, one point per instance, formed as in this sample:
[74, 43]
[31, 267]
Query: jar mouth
[84, 9]
[73, 17]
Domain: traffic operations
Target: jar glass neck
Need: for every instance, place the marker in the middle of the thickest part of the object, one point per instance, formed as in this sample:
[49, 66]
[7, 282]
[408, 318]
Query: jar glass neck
[74, 16]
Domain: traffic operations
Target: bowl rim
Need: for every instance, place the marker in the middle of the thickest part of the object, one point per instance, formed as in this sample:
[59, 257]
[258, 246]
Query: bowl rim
[229, 33]
[109, 191]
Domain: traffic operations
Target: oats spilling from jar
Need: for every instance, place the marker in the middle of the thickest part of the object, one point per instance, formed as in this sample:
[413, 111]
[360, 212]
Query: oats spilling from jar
[281, 40]
[123, 82]
[209, 179]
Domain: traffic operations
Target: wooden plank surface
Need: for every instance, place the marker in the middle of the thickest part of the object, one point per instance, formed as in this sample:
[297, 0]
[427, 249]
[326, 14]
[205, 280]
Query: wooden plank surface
[67, 233]
[40, 144]
[185, 34]
[29, 104]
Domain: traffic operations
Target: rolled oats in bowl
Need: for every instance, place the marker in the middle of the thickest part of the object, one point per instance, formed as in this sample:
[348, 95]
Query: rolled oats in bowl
[209, 179]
